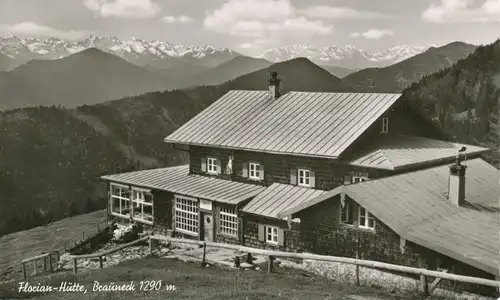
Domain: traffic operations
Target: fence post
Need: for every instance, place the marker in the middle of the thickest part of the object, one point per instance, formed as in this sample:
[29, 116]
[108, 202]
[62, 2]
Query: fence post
[83, 236]
[150, 246]
[65, 247]
[58, 257]
[51, 269]
[35, 266]
[45, 264]
[203, 263]
[357, 257]
[24, 271]
[74, 265]
[100, 262]
[270, 264]
[424, 287]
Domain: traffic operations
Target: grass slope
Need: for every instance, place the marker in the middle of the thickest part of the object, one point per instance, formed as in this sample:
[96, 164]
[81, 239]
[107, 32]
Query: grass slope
[25, 244]
[192, 282]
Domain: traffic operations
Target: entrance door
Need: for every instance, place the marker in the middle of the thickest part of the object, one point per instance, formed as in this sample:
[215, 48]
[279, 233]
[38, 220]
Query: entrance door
[208, 227]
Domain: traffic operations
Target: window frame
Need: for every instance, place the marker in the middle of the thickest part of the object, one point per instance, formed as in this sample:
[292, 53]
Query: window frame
[308, 177]
[348, 206]
[360, 178]
[367, 216]
[273, 232]
[385, 125]
[212, 162]
[228, 221]
[256, 172]
[181, 213]
[141, 202]
[121, 200]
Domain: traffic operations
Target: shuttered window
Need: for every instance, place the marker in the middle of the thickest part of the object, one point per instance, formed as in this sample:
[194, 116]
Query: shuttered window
[212, 165]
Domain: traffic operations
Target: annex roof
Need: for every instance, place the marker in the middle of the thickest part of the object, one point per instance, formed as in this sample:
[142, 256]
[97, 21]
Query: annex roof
[178, 180]
[398, 151]
[279, 197]
[297, 123]
[416, 207]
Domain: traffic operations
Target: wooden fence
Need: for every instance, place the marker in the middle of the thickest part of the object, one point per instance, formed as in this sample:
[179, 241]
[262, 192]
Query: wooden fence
[48, 263]
[425, 287]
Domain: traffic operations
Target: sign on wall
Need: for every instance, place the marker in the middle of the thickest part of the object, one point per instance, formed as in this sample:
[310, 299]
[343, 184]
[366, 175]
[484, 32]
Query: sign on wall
[205, 204]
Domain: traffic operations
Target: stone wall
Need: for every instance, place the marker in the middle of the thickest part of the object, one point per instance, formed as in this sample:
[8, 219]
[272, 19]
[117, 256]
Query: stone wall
[251, 234]
[321, 233]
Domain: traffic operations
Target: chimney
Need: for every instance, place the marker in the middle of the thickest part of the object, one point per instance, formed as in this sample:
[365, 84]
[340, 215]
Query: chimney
[274, 86]
[456, 184]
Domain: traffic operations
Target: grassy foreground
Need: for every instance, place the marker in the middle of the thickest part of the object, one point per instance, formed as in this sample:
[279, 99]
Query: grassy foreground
[193, 282]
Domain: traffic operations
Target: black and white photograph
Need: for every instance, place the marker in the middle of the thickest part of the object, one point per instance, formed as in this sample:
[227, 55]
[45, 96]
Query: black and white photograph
[250, 149]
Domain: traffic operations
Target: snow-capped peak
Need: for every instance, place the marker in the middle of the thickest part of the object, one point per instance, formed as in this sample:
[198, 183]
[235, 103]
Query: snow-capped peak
[134, 48]
[348, 56]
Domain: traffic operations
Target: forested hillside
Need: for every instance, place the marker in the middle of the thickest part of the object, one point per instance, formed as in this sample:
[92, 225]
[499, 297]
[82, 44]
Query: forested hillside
[464, 98]
[51, 157]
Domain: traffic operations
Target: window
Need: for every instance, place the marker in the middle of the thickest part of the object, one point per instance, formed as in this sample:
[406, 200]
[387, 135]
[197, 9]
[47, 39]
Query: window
[254, 171]
[120, 200]
[366, 219]
[228, 221]
[142, 201]
[304, 177]
[212, 165]
[186, 215]
[385, 125]
[272, 235]
[346, 216]
[356, 179]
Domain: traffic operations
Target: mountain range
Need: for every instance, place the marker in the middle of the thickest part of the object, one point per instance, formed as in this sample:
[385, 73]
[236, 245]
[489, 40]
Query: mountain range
[163, 55]
[51, 156]
[88, 77]
[72, 147]
[398, 76]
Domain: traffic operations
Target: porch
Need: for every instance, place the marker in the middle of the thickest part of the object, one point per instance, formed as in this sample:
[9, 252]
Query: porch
[190, 206]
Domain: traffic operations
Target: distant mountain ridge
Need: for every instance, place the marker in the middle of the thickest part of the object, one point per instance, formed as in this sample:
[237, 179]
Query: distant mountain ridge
[396, 77]
[163, 55]
[349, 56]
[87, 77]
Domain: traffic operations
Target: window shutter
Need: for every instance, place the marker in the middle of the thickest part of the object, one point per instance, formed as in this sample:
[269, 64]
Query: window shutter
[219, 166]
[312, 179]
[347, 179]
[293, 176]
[261, 172]
[281, 237]
[244, 170]
[203, 164]
[262, 233]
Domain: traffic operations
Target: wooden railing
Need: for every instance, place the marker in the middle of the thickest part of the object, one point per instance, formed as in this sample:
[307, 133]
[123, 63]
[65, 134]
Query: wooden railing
[81, 237]
[100, 255]
[425, 288]
[48, 264]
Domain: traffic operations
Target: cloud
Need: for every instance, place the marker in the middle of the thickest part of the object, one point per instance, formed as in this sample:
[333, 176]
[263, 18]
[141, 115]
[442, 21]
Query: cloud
[127, 9]
[34, 29]
[263, 19]
[455, 11]
[178, 19]
[332, 12]
[372, 34]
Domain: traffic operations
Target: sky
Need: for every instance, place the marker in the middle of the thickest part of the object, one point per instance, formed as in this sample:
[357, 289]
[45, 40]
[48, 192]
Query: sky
[252, 26]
